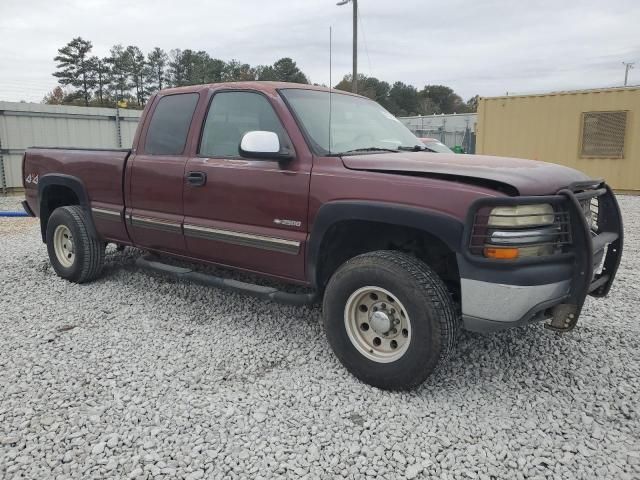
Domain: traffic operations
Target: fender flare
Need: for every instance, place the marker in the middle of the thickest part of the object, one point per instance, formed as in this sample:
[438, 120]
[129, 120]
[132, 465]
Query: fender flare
[72, 183]
[446, 228]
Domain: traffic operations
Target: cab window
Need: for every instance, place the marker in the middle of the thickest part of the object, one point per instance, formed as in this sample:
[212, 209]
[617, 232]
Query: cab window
[230, 116]
[169, 127]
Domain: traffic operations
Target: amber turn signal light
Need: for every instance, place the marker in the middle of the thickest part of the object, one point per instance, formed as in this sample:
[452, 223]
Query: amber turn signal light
[501, 253]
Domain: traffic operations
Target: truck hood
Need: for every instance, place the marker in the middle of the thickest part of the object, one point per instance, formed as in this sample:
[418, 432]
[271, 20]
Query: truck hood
[526, 177]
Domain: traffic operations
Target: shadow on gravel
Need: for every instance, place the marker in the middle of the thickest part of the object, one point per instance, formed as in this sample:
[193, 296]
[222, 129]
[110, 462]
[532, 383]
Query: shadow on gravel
[480, 360]
[116, 261]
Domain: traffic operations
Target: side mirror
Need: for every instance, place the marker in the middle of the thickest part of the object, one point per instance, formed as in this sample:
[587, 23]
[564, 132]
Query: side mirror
[262, 144]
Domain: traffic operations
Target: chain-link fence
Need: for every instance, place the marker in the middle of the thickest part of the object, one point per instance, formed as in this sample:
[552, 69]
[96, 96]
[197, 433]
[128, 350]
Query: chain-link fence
[465, 139]
[456, 130]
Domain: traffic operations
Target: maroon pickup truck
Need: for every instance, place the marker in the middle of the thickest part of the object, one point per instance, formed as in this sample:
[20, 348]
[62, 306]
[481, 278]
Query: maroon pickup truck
[329, 191]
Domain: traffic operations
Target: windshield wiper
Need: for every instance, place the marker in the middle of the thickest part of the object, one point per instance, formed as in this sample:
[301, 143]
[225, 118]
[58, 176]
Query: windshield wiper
[369, 149]
[415, 148]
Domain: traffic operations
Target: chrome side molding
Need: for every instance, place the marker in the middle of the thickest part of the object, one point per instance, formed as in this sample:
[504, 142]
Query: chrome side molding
[107, 214]
[232, 237]
[155, 224]
[245, 239]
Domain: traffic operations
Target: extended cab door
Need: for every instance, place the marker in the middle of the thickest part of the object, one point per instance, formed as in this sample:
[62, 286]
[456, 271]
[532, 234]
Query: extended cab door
[248, 213]
[156, 175]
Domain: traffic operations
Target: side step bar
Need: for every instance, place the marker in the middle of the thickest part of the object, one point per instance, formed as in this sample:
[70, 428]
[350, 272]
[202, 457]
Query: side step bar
[267, 293]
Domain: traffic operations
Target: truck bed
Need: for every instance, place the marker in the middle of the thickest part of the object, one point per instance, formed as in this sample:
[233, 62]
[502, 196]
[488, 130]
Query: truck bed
[99, 170]
[94, 176]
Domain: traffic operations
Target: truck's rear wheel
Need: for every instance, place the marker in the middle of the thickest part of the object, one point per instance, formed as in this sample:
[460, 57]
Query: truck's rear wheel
[74, 253]
[389, 319]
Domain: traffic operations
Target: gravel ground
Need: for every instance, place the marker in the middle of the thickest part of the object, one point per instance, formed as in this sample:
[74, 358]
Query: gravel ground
[134, 376]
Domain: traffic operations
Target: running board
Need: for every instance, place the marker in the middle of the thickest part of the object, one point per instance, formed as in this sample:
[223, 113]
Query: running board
[268, 293]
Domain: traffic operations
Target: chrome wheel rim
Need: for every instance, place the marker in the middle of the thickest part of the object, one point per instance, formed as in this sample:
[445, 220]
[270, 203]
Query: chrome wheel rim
[377, 324]
[63, 246]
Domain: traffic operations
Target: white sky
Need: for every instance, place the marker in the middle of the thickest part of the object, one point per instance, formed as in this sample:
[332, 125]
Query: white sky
[487, 47]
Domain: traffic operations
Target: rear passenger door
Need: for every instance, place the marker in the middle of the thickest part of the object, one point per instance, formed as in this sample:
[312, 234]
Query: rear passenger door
[156, 175]
[249, 213]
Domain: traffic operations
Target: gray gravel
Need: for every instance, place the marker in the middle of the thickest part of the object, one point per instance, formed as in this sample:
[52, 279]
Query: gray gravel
[134, 376]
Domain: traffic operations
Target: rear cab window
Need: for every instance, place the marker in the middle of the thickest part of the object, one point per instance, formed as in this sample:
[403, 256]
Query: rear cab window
[169, 126]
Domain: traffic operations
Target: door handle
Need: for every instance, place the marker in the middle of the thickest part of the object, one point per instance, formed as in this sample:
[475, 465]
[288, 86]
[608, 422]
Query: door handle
[197, 179]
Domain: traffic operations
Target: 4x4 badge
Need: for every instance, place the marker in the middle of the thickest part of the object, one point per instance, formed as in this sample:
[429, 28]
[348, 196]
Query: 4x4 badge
[31, 179]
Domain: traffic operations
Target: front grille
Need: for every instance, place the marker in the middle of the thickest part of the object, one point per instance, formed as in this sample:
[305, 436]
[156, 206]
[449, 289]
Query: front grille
[591, 209]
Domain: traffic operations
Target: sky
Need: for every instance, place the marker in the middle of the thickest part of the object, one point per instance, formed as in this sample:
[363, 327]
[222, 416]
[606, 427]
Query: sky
[485, 47]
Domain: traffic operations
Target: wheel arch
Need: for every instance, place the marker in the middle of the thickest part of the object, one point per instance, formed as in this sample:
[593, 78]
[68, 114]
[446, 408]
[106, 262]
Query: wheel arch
[443, 227]
[59, 190]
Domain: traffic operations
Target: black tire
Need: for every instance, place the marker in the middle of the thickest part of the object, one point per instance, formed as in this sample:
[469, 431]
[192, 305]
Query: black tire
[433, 320]
[89, 251]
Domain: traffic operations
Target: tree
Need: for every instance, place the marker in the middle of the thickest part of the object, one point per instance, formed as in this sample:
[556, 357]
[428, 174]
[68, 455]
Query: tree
[100, 76]
[426, 106]
[215, 70]
[189, 62]
[369, 87]
[74, 67]
[187, 67]
[127, 74]
[136, 70]
[197, 68]
[265, 73]
[205, 69]
[55, 96]
[235, 71]
[176, 70]
[472, 103]
[119, 67]
[283, 70]
[444, 99]
[155, 70]
[403, 99]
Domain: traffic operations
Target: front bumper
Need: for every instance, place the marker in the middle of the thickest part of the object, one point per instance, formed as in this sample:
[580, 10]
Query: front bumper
[496, 294]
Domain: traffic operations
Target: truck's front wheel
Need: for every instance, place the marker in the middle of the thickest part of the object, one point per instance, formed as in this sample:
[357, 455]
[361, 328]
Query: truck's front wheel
[74, 254]
[389, 319]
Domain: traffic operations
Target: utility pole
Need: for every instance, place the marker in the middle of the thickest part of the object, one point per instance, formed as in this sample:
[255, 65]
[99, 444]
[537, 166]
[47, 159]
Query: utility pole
[627, 66]
[354, 84]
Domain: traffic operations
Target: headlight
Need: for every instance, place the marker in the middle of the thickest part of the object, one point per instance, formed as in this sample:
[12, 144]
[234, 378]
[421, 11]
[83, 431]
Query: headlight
[515, 216]
[510, 232]
[524, 236]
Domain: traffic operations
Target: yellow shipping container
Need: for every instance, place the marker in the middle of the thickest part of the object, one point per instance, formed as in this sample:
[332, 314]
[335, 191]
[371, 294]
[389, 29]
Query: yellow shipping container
[596, 131]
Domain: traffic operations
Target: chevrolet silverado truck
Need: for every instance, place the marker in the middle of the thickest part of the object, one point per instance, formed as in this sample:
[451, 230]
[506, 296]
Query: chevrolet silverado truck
[329, 191]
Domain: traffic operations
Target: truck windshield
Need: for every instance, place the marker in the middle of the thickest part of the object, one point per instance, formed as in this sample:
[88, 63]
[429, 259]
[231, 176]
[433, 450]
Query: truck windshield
[357, 124]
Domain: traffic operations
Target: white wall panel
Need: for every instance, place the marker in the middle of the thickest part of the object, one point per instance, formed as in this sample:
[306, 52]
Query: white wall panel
[23, 125]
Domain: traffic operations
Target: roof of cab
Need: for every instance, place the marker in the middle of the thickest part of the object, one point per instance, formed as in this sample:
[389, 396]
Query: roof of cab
[262, 86]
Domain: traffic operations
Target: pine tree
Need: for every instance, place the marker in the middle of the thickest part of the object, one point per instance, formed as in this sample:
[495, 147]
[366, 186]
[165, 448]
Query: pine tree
[136, 70]
[74, 67]
[155, 72]
[119, 68]
[100, 75]
[177, 68]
